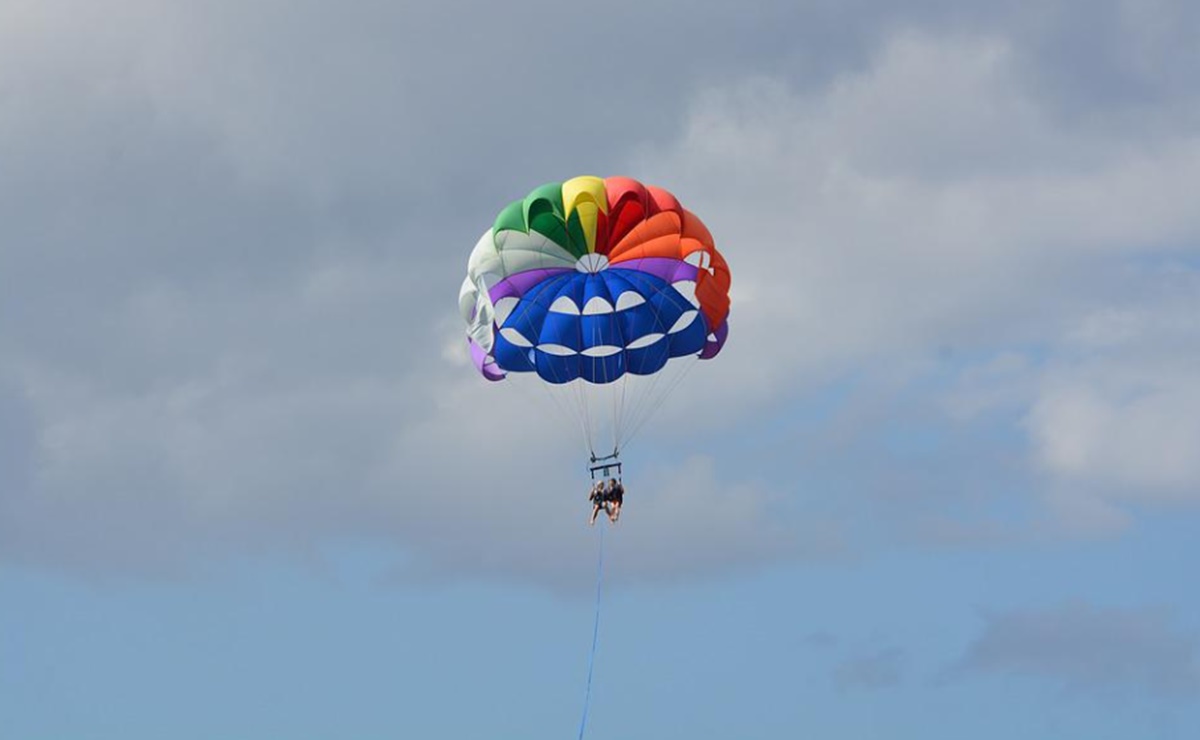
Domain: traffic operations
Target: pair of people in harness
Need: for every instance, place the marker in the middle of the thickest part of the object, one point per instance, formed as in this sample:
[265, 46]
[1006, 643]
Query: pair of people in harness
[607, 494]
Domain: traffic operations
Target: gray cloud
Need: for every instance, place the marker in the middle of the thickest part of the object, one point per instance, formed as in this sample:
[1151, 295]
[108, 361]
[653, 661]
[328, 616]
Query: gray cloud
[18, 441]
[982, 222]
[821, 639]
[863, 248]
[1091, 650]
[229, 263]
[877, 670]
[1119, 409]
[230, 237]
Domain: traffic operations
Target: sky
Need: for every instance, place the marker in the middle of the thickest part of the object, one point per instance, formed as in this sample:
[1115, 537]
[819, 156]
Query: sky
[942, 481]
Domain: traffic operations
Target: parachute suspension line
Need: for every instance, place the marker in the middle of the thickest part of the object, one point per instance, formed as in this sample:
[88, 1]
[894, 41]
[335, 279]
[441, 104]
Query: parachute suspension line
[580, 410]
[581, 389]
[542, 399]
[574, 388]
[611, 389]
[583, 416]
[585, 413]
[616, 413]
[596, 394]
[645, 400]
[566, 398]
[649, 398]
[687, 368]
[562, 407]
[630, 408]
[587, 694]
[682, 366]
[620, 417]
[655, 394]
[546, 399]
[557, 390]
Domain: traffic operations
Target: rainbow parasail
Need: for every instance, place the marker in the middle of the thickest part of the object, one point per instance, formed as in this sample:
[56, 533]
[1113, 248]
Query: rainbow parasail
[594, 279]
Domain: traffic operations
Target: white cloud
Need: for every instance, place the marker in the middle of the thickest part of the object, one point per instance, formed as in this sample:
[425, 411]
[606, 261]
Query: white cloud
[232, 330]
[1123, 414]
[927, 200]
[935, 201]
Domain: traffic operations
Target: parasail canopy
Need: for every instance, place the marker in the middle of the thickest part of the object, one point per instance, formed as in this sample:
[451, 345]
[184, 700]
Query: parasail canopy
[588, 283]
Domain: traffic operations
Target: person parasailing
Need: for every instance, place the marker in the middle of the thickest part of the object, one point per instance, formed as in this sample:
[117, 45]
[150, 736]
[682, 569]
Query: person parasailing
[599, 499]
[615, 497]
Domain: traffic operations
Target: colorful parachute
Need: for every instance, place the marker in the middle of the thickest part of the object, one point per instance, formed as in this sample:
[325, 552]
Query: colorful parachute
[590, 281]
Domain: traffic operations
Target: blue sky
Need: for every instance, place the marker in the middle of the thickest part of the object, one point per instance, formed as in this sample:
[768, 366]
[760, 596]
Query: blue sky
[941, 483]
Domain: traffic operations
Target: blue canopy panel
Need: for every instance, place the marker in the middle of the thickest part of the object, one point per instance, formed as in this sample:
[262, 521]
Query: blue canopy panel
[691, 339]
[511, 357]
[650, 359]
[598, 327]
[563, 330]
[529, 314]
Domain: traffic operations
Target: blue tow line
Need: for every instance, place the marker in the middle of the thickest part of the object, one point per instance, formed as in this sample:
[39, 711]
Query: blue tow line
[587, 696]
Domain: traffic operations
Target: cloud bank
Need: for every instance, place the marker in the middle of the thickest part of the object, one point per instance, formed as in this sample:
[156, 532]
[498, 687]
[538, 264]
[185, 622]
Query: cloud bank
[230, 243]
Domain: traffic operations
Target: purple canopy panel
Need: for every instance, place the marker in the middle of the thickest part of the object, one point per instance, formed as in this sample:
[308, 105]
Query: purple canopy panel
[518, 283]
[714, 346]
[666, 268]
[489, 370]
